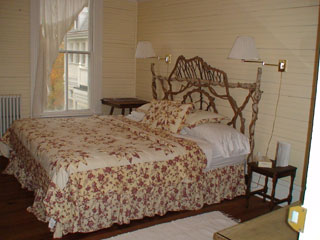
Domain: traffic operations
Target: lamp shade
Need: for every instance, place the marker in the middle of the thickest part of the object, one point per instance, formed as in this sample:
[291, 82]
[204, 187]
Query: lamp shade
[244, 48]
[144, 50]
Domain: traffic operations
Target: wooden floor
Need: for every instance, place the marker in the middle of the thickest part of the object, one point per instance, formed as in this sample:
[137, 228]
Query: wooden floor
[17, 223]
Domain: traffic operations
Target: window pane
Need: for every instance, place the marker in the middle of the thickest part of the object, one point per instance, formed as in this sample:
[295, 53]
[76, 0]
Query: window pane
[56, 86]
[78, 34]
[78, 97]
[69, 80]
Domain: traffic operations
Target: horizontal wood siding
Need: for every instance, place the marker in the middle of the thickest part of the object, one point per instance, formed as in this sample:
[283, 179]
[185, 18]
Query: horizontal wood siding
[15, 51]
[119, 41]
[282, 29]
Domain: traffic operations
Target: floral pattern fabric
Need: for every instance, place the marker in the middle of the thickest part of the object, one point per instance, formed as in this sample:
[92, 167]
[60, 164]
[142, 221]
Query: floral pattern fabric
[167, 115]
[199, 117]
[96, 198]
[66, 145]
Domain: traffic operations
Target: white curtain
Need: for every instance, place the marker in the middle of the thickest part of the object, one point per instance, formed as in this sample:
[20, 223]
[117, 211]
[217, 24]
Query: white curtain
[56, 19]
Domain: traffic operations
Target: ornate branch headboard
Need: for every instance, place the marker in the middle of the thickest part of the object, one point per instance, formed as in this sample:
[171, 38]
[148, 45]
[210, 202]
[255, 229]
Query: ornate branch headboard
[193, 80]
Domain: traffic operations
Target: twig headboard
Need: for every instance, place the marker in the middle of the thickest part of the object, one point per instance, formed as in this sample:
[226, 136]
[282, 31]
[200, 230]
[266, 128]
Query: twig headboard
[193, 80]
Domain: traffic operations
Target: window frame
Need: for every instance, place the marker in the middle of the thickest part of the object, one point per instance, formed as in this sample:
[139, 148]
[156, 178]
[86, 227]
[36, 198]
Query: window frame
[94, 61]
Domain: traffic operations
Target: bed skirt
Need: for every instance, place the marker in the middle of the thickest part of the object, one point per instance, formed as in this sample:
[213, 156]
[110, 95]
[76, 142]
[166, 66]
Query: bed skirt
[84, 206]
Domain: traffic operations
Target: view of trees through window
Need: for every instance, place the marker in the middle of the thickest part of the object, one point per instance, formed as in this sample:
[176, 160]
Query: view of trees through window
[69, 79]
[56, 93]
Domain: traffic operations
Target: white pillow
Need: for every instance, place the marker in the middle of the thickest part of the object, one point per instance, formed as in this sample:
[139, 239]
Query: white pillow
[136, 116]
[144, 108]
[228, 140]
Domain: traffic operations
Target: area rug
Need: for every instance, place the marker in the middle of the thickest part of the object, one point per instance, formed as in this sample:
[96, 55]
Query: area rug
[200, 227]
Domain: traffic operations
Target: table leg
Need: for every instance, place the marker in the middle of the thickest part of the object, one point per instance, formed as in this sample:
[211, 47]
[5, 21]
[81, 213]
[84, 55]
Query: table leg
[248, 185]
[130, 110]
[291, 188]
[111, 110]
[274, 184]
[122, 111]
[265, 188]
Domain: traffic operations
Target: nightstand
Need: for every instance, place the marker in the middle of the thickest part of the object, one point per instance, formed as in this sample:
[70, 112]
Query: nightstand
[275, 173]
[123, 103]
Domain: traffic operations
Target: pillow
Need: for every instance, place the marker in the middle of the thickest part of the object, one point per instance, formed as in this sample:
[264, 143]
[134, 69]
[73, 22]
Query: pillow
[200, 116]
[167, 115]
[228, 140]
[135, 116]
[144, 108]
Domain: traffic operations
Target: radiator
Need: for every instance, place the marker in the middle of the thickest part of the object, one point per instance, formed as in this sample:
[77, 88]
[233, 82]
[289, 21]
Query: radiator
[10, 107]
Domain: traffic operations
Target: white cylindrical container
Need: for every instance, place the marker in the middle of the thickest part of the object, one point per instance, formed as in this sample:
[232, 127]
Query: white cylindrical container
[283, 154]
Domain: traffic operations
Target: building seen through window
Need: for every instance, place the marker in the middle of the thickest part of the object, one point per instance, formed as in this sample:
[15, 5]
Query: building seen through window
[69, 79]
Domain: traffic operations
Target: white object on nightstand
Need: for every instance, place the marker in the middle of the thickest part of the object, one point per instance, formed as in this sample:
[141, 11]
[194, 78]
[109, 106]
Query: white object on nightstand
[283, 154]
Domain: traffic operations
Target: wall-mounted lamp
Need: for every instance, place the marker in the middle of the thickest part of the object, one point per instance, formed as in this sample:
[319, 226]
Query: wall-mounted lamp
[244, 48]
[145, 50]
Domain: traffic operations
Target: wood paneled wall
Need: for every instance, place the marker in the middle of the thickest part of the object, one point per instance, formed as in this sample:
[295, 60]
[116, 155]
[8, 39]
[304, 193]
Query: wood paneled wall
[119, 43]
[282, 29]
[15, 51]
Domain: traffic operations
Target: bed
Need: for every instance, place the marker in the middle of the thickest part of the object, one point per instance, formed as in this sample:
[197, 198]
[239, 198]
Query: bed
[88, 173]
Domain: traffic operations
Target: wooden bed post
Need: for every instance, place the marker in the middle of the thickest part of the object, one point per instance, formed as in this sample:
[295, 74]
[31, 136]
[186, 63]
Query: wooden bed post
[154, 84]
[255, 99]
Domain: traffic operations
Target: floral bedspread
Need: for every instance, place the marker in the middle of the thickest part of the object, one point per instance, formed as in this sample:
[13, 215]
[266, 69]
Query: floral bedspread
[89, 173]
[68, 145]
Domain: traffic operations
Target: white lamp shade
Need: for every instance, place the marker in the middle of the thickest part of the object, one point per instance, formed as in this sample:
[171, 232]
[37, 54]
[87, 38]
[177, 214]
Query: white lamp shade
[244, 48]
[144, 50]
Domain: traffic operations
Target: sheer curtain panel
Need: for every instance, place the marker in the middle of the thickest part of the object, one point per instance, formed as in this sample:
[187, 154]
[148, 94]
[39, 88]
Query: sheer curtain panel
[56, 18]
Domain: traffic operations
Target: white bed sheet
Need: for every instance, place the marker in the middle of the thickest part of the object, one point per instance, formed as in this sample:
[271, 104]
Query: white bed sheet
[214, 158]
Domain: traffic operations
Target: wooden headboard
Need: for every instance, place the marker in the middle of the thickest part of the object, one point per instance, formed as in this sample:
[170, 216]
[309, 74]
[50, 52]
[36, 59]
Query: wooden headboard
[193, 80]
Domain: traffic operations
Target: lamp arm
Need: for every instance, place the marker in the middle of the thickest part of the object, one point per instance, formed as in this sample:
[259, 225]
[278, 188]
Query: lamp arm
[253, 61]
[281, 65]
[167, 58]
[270, 64]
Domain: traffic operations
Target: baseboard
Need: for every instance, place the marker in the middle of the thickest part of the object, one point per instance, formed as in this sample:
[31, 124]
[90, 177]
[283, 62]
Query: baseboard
[282, 188]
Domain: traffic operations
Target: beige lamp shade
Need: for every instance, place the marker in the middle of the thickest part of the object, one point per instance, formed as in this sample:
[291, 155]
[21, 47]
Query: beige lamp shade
[144, 50]
[244, 48]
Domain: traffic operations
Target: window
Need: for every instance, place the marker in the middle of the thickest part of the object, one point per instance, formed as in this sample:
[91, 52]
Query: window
[83, 56]
[70, 54]
[69, 82]
[73, 88]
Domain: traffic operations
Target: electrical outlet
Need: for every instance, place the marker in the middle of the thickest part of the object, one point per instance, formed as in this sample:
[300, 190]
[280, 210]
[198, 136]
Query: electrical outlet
[282, 66]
